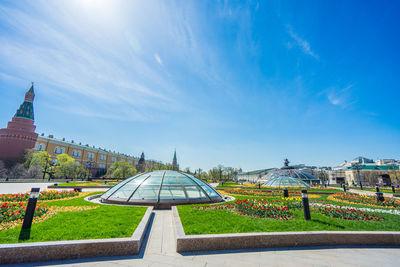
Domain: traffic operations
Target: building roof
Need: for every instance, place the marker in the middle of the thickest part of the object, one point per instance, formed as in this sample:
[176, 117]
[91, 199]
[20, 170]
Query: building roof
[25, 110]
[77, 145]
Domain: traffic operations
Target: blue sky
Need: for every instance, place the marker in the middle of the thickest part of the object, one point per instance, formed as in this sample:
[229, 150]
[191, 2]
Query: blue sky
[240, 83]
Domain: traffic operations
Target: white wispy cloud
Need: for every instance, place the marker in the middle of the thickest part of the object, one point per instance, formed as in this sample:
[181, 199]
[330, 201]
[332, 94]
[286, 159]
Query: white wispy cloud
[158, 59]
[62, 56]
[302, 43]
[341, 97]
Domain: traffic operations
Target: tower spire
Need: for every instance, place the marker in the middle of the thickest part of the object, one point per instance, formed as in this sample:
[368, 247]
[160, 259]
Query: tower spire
[26, 108]
[175, 165]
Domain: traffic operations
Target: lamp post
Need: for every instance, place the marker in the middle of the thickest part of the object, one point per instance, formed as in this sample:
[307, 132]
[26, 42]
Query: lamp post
[358, 175]
[30, 211]
[285, 192]
[306, 206]
[395, 174]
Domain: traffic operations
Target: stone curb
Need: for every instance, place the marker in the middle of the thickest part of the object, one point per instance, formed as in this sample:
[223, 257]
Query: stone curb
[187, 243]
[76, 249]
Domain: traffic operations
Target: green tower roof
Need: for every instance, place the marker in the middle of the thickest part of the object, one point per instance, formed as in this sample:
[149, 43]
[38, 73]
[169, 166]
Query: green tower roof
[26, 109]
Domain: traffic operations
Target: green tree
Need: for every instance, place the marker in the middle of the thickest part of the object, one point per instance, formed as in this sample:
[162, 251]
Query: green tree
[121, 170]
[65, 166]
[42, 159]
[81, 172]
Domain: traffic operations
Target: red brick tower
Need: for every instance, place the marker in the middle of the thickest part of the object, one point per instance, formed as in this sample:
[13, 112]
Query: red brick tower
[20, 132]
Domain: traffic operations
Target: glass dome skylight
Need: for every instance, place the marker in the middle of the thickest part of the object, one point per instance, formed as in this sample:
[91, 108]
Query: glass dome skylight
[304, 176]
[286, 181]
[161, 188]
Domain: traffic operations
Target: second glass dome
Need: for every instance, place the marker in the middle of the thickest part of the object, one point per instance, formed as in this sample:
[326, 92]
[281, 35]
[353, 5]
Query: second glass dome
[161, 188]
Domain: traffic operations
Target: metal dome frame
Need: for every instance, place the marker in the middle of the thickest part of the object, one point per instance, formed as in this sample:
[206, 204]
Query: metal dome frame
[161, 189]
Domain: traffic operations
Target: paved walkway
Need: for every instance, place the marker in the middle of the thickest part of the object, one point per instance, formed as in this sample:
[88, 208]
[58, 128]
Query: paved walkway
[159, 250]
[13, 188]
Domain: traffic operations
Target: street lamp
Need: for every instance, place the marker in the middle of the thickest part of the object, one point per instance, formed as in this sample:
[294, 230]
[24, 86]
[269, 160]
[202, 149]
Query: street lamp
[358, 175]
[306, 205]
[30, 211]
[395, 174]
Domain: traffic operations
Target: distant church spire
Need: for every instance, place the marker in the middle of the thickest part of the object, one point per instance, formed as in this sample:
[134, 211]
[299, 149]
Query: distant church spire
[175, 165]
[26, 108]
[141, 166]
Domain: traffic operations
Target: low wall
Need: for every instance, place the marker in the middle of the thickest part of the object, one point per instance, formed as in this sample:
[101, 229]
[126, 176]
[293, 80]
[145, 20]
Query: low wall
[76, 249]
[186, 243]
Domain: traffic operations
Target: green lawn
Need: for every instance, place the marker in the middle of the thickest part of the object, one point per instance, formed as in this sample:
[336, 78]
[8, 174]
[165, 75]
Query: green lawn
[104, 222]
[196, 221]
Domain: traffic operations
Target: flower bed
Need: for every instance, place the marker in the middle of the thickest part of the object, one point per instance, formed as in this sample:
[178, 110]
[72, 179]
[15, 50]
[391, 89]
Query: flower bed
[366, 200]
[259, 193]
[347, 213]
[15, 211]
[262, 208]
[44, 195]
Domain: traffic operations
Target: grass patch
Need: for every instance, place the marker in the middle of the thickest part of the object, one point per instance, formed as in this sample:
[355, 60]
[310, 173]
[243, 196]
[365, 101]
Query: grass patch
[196, 221]
[104, 222]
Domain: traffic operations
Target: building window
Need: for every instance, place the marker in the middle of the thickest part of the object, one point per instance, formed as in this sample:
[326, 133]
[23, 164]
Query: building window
[122, 160]
[62, 150]
[78, 153]
[90, 155]
[113, 159]
[130, 161]
[102, 166]
[57, 150]
[102, 157]
[74, 154]
[41, 147]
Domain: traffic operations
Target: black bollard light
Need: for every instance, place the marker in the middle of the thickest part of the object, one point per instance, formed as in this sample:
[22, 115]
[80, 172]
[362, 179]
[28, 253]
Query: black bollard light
[393, 189]
[361, 186]
[379, 196]
[306, 206]
[377, 189]
[30, 211]
[285, 193]
[344, 188]
[259, 185]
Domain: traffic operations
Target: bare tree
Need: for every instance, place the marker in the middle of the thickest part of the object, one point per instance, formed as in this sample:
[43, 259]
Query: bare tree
[17, 172]
[35, 171]
[3, 170]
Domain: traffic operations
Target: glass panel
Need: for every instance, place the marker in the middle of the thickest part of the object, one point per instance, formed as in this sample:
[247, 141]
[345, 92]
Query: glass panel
[187, 181]
[194, 192]
[153, 180]
[210, 191]
[171, 180]
[146, 192]
[138, 180]
[113, 189]
[172, 192]
[125, 192]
